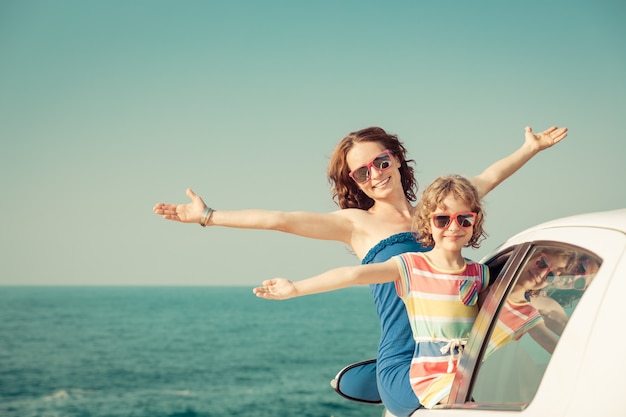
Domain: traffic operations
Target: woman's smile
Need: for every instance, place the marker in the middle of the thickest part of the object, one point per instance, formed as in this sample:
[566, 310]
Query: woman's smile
[382, 183]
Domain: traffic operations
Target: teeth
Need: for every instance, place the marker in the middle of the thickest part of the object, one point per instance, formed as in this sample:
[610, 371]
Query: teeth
[380, 184]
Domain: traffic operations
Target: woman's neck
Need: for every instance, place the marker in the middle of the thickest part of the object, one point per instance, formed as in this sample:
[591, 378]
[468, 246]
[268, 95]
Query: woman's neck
[379, 222]
[402, 208]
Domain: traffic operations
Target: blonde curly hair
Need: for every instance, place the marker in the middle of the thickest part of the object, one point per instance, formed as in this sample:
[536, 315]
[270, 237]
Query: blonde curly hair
[432, 199]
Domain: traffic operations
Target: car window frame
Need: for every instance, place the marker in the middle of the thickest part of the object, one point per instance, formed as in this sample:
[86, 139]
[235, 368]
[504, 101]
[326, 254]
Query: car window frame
[561, 386]
[516, 256]
[477, 342]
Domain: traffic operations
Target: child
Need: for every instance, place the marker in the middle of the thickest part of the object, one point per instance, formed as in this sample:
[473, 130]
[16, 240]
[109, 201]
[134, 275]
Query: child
[440, 288]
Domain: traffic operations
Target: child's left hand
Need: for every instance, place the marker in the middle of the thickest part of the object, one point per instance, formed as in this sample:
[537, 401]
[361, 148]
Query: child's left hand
[276, 289]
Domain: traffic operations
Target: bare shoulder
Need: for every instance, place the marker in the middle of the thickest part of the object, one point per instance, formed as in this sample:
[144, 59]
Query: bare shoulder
[352, 214]
[368, 229]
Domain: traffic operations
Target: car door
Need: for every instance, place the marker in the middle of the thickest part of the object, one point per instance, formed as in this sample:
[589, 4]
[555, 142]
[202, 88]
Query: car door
[507, 368]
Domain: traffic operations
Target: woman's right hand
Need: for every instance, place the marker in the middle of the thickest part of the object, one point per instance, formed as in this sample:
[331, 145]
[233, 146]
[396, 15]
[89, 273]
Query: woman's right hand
[186, 213]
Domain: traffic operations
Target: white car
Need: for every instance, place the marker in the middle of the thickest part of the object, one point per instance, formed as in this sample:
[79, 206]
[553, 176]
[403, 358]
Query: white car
[579, 301]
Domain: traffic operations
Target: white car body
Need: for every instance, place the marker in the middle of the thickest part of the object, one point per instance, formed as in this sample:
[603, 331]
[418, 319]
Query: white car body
[585, 375]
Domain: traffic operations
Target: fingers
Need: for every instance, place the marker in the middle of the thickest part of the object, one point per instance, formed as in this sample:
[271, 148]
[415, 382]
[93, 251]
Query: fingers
[550, 136]
[559, 134]
[159, 208]
[555, 132]
[548, 131]
[264, 292]
[187, 213]
[170, 209]
[268, 290]
[165, 209]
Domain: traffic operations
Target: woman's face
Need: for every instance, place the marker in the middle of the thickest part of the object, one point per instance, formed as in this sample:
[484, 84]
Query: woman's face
[381, 181]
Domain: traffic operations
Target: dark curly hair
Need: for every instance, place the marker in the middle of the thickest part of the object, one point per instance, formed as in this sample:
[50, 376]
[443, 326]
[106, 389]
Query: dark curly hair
[345, 192]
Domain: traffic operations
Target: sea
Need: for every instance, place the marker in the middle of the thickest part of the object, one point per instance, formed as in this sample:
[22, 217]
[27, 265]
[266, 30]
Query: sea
[180, 352]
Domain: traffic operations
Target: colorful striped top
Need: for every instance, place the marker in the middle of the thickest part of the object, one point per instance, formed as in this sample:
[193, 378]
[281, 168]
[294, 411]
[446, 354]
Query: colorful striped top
[442, 307]
[515, 320]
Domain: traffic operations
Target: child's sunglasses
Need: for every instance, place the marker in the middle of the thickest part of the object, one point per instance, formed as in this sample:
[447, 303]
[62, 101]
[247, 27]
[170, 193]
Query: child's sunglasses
[382, 162]
[443, 220]
[543, 263]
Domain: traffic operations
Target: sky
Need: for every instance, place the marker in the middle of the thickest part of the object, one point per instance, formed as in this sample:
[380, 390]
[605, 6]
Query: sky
[109, 107]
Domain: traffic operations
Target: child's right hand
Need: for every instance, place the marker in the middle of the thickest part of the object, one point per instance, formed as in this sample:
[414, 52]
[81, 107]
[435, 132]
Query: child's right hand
[276, 289]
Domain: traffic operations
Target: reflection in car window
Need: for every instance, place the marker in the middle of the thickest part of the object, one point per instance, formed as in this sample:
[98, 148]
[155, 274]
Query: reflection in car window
[531, 318]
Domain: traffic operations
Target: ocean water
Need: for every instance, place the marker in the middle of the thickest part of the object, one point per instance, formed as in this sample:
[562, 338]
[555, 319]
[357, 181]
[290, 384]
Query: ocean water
[179, 352]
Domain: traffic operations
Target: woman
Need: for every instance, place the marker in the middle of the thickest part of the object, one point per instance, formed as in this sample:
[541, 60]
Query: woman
[440, 289]
[375, 189]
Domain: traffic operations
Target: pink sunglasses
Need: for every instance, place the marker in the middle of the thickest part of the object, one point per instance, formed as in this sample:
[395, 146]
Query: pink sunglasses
[363, 173]
[443, 220]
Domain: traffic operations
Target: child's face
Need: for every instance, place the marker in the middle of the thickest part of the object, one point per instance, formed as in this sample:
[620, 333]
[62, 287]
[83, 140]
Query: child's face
[453, 237]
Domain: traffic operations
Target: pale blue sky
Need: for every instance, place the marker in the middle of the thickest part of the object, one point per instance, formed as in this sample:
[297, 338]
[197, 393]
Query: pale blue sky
[110, 107]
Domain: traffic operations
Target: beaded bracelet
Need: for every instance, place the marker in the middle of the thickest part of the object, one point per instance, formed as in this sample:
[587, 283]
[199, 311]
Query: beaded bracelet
[206, 216]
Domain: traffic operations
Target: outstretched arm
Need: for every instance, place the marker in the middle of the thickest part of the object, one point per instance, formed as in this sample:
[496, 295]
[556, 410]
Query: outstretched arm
[326, 226]
[491, 177]
[282, 289]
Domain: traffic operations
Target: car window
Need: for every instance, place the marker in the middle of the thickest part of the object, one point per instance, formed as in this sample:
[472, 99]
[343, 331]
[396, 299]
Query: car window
[530, 318]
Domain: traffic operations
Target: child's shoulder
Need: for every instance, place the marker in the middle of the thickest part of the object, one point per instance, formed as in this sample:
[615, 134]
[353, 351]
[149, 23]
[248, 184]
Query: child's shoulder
[417, 260]
[413, 255]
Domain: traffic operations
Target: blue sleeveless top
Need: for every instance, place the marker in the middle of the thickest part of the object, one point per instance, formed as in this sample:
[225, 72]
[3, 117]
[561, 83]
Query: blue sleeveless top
[396, 346]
